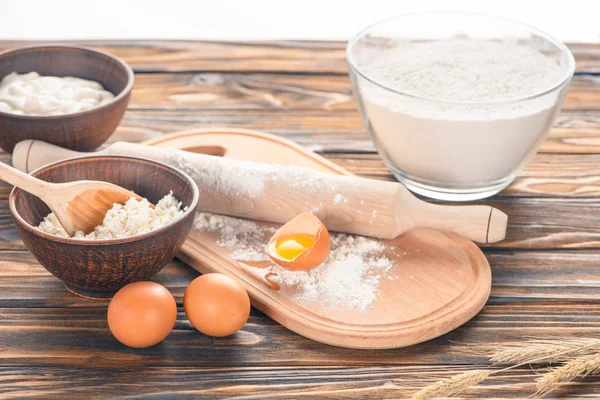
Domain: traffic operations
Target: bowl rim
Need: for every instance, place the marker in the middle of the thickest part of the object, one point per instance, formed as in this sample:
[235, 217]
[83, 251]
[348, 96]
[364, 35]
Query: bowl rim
[108, 242]
[124, 93]
[565, 80]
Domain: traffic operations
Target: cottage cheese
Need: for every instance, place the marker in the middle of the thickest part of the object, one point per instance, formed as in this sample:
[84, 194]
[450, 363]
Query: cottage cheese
[124, 220]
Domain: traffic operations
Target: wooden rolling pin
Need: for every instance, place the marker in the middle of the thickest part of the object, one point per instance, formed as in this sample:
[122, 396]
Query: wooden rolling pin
[275, 193]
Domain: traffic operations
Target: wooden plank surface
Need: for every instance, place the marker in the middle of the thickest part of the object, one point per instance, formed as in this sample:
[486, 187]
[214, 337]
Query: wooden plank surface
[312, 57]
[318, 383]
[546, 277]
[276, 91]
[575, 132]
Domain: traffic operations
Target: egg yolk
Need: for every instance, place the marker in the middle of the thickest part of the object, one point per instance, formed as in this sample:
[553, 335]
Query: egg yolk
[291, 247]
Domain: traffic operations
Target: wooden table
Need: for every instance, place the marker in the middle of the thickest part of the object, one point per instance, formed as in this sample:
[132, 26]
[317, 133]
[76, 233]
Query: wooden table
[546, 275]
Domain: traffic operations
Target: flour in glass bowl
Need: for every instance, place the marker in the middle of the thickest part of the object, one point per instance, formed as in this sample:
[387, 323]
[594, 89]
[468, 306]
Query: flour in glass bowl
[453, 143]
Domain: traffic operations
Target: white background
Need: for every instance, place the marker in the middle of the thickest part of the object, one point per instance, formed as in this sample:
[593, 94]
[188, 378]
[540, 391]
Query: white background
[569, 20]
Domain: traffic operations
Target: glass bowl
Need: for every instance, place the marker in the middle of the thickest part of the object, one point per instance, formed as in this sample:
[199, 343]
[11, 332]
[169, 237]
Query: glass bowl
[451, 148]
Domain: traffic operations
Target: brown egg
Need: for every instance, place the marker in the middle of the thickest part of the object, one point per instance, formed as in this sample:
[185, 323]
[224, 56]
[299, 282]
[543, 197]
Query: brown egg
[303, 243]
[142, 314]
[216, 304]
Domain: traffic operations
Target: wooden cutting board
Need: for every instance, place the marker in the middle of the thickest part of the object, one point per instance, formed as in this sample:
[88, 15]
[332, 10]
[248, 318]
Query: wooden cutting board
[441, 279]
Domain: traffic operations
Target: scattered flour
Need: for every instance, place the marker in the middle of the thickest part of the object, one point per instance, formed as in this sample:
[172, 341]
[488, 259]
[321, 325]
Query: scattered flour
[245, 238]
[124, 220]
[348, 278]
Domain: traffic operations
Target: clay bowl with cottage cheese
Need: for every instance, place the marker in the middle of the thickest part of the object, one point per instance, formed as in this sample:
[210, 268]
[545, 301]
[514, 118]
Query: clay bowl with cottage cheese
[97, 268]
[84, 130]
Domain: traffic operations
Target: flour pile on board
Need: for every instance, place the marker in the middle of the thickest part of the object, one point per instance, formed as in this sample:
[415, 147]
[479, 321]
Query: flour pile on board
[349, 277]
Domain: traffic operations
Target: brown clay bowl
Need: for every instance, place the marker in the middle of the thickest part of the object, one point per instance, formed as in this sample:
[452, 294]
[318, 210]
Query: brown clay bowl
[97, 268]
[81, 131]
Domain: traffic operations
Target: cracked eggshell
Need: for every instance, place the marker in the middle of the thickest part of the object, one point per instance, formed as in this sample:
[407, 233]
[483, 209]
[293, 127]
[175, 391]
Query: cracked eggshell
[303, 224]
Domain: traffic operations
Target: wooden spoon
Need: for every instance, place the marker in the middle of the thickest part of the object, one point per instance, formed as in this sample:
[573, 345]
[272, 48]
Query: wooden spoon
[79, 205]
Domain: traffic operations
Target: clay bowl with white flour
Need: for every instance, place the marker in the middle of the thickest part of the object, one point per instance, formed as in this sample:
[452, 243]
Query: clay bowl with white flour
[97, 268]
[457, 103]
[82, 130]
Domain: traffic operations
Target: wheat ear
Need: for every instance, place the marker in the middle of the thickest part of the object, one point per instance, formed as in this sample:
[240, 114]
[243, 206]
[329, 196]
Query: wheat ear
[456, 384]
[546, 350]
[578, 368]
[450, 386]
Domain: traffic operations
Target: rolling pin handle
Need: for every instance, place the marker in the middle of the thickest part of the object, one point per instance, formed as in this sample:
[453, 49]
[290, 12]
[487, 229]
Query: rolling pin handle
[496, 230]
[20, 155]
[29, 155]
[482, 224]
